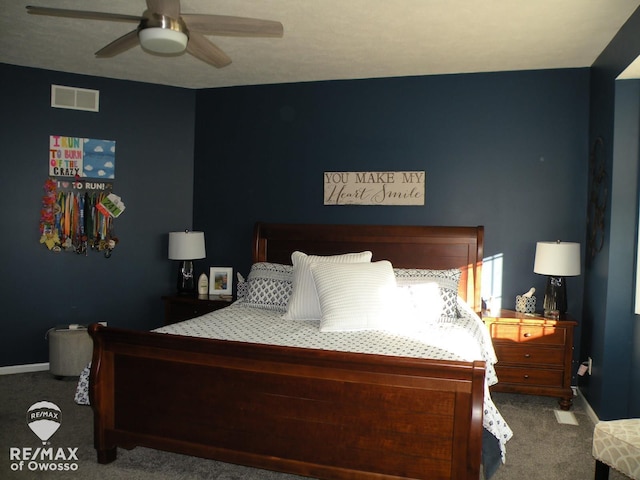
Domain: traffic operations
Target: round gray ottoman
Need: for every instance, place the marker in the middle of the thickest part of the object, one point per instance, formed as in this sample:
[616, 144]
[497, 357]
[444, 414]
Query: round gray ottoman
[69, 351]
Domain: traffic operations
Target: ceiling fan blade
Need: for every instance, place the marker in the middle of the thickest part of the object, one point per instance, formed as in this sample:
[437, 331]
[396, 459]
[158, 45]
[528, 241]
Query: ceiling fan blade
[119, 45]
[224, 25]
[61, 12]
[170, 8]
[204, 50]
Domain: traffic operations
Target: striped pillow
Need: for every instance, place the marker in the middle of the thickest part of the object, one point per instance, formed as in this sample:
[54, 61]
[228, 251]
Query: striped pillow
[303, 304]
[356, 296]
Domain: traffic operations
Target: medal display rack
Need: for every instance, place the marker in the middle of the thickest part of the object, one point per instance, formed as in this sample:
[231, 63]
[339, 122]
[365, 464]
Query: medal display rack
[78, 221]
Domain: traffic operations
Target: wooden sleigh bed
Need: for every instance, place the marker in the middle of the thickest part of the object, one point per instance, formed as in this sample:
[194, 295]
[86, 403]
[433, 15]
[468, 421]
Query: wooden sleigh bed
[317, 413]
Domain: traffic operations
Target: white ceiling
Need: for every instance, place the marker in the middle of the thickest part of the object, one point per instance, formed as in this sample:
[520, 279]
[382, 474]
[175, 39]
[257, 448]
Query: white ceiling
[328, 39]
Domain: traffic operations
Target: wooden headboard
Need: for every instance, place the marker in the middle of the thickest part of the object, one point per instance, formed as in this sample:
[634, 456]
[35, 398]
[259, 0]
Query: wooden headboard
[404, 246]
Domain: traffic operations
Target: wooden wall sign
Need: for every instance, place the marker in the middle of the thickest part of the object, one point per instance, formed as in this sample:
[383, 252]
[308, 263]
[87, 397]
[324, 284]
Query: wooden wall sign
[374, 188]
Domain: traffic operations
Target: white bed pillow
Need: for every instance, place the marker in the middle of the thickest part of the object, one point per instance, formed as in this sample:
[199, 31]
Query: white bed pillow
[355, 296]
[419, 284]
[303, 304]
[418, 306]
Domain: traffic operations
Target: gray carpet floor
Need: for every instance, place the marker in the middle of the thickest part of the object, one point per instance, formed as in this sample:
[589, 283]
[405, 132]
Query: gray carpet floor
[540, 449]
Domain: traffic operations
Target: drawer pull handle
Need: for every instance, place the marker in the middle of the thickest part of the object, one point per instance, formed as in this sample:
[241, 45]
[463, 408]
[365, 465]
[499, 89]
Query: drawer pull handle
[527, 355]
[527, 335]
[526, 377]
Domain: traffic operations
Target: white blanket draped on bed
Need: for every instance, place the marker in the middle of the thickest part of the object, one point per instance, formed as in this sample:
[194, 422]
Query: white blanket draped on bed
[466, 339]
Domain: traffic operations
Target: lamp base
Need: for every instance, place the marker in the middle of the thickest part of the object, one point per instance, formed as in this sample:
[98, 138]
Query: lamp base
[555, 297]
[186, 280]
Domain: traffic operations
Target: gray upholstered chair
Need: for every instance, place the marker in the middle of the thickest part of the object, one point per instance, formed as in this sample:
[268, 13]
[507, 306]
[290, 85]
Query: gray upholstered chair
[617, 444]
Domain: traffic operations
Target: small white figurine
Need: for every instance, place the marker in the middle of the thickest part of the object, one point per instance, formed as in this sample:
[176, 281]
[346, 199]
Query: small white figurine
[530, 293]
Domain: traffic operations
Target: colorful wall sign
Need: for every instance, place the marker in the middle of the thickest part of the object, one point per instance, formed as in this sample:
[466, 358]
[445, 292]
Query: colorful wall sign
[82, 157]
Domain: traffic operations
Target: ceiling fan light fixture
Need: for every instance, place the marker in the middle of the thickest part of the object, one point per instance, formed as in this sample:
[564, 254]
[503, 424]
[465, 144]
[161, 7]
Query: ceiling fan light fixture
[163, 40]
[162, 30]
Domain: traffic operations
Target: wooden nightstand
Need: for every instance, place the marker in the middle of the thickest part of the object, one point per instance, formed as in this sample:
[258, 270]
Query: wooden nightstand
[183, 307]
[534, 354]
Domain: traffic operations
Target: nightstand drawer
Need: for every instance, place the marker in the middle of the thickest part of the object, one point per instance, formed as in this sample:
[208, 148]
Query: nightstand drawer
[534, 354]
[185, 311]
[542, 335]
[184, 307]
[529, 376]
[529, 354]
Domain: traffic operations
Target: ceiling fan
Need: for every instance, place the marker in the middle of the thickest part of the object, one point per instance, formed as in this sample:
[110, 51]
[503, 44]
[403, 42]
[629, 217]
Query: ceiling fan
[163, 30]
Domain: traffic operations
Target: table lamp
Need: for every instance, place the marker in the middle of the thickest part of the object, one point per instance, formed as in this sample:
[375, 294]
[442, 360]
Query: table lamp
[557, 260]
[186, 246]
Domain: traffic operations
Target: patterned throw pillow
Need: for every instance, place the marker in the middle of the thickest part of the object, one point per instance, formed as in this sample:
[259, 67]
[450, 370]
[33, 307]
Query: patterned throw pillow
[242, 287]
[269, 286]
[446, 280]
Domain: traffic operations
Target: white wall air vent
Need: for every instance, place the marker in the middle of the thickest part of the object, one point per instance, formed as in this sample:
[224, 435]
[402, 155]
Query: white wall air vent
[75, 98]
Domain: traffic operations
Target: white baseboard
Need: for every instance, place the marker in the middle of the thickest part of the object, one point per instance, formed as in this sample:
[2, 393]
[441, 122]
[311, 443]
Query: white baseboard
[33, 367]
[587, 408]
[590, 413]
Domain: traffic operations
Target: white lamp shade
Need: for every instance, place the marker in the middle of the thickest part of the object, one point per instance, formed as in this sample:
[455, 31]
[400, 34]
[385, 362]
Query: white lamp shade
[186, 245]
[557, 259]
[163, 40]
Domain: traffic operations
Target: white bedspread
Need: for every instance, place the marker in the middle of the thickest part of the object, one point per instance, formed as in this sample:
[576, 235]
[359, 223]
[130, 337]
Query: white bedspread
[467, 340]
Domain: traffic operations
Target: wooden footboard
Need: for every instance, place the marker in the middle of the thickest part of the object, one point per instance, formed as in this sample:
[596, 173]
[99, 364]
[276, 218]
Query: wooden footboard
[317, 413]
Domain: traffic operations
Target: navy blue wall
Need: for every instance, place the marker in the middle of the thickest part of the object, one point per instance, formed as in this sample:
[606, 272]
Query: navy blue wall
[611, 330]
[154, 177]
[505, 150]
[623, 327]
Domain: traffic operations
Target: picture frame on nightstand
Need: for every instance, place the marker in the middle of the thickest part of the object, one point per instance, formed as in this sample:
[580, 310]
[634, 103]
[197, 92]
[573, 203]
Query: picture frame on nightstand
[221, 281]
